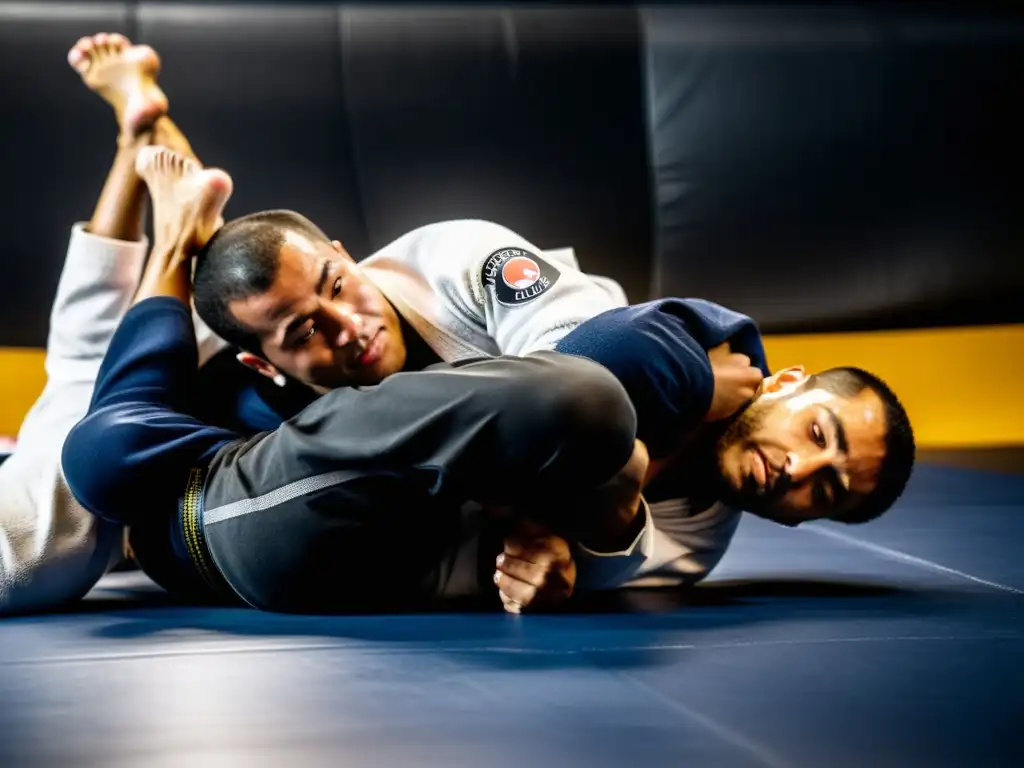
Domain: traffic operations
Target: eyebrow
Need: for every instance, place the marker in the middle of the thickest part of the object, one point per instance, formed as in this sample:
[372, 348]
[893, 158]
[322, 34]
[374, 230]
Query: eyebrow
[323, 277]
[839, 490]
[837, 425]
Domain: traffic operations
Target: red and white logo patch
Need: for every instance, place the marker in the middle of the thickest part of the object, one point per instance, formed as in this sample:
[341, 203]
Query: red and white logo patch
[520, 272]
[524, 276]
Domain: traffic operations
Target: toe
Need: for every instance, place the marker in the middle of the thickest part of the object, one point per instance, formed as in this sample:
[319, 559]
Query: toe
[145, 159]
[79, 55]
[117, 41]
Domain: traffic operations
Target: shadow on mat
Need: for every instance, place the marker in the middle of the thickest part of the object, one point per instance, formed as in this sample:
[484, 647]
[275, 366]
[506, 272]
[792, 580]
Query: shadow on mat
[603, 625]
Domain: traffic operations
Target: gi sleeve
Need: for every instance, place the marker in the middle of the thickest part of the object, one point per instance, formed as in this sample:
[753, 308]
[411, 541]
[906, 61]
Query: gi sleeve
[665, 370]
[675, 549]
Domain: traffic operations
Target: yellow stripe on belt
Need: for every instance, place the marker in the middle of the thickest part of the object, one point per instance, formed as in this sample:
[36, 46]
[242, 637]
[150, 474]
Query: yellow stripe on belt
[190, 514]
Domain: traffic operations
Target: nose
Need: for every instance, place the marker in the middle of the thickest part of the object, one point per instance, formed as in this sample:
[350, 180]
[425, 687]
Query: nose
[799, 466]
[346, 322]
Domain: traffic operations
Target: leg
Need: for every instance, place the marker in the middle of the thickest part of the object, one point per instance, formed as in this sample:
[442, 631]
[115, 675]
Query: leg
[142, 397]
[187, 202]
[366, 474]
[55, 551]
[124, 76]
[167, 134]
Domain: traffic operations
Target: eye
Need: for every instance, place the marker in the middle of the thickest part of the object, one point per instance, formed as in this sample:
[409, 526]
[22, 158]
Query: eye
[306, 336]
[337, 286]
[818, 435]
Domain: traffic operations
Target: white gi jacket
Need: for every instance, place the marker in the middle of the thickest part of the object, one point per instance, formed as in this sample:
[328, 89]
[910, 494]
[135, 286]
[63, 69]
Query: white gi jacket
[476, 289]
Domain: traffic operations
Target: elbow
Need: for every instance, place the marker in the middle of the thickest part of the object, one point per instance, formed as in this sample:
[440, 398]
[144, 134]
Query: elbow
[93, 468]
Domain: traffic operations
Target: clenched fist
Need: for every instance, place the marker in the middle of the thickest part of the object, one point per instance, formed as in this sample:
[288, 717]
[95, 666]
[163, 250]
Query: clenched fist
[736, 382]
[535, 570]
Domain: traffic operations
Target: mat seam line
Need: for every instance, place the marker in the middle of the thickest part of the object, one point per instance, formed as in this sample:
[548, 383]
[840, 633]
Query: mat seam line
[896, 554]
[732, 737]
[301, 648]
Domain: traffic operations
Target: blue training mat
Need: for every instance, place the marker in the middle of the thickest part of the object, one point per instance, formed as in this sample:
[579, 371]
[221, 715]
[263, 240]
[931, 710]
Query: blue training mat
[900, 643]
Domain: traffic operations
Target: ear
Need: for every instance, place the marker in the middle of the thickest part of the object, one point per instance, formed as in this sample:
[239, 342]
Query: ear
[341, 249]
[261, 366]
[784, 381]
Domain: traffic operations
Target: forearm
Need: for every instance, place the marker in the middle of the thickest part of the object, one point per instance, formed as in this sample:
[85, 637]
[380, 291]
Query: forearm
[616, 529]
[610, 518]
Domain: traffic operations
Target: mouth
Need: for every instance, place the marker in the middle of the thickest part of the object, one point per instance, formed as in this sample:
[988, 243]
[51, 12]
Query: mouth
[372, 351]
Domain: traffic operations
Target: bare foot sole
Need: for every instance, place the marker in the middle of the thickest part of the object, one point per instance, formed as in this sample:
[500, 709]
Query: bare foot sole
[188, 200]
[123, 75]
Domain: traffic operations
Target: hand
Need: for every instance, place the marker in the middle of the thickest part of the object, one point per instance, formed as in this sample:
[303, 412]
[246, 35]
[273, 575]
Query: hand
[736, 382]
[536, 568]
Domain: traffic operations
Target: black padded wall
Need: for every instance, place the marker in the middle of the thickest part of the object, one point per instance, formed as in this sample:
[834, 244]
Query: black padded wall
[821, 167]
[831, 168]
[259, 92]
[56, 143]
[371, 121]
[529, 117]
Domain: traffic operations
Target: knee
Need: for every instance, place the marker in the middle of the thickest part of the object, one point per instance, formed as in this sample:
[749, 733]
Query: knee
[591, 407]
[78, 461]
[92, 466]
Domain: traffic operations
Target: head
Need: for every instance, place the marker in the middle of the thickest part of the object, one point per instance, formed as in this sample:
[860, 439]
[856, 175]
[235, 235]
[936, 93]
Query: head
[836, 445]
[296, 303]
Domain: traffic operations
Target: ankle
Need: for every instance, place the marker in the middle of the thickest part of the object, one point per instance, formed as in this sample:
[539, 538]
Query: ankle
[134, 140]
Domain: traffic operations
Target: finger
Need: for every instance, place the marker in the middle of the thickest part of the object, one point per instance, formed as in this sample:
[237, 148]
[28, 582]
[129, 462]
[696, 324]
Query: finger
[514, 589]
[542, 552]
[523, 570]
[739, 360]
[509, 604]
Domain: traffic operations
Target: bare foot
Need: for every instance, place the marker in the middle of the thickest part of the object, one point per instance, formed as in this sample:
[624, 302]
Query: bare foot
[124, 75]
[188, 200]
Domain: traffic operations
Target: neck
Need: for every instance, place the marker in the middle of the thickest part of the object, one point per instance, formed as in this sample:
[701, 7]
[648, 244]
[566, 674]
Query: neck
[691, 470]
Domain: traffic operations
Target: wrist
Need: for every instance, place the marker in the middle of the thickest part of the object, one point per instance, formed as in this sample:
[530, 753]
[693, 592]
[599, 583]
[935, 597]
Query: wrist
[620, 528]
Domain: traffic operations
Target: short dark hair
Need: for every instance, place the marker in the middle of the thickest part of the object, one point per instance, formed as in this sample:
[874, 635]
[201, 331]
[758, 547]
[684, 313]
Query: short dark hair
[239, 261]
[900, 448]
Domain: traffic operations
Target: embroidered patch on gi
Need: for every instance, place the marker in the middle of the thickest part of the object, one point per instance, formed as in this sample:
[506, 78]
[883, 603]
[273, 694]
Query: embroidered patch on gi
[517, 276]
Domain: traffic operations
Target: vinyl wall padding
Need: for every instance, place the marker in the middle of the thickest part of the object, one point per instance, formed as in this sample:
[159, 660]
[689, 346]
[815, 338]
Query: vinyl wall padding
[371, 121]
[821, 167]
[56, 143]
[259, 91]
[530, 117]
[839, 168]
